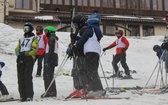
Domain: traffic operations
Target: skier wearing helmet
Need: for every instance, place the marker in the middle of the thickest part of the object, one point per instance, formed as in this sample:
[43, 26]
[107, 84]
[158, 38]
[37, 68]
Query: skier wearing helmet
[25, 51]
[42, 41]
[50, 62]
[90, 43]
[122, 45]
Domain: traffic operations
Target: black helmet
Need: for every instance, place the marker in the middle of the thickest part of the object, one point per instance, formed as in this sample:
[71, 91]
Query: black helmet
[40, 28]
[156, 47]
[79, 20]
[30, 26]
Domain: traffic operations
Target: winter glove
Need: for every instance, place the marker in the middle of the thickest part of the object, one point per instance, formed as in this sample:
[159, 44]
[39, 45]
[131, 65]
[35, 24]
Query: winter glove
[106, 48]
[124, 49]
[69, 52]
[21, 58]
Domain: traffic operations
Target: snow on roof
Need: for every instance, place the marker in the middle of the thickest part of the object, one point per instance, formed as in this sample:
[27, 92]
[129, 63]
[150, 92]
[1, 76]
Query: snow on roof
[132, 17]
[44, 17]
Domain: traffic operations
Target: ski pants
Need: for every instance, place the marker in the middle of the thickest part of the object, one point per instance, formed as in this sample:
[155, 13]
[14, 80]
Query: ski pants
[3, 89]
[39, 59]
[122, 59]
[92, 64]
[48, 74]
[24, 74]
[79, 73]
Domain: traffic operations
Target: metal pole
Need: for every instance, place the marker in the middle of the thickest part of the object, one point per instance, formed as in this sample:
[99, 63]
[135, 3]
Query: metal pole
[4, 11]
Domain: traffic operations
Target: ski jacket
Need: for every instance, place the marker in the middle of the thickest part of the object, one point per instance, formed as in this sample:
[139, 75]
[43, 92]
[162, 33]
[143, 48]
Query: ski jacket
[90, 40]
[51, 54]
[2, 64]
[121, 43]
[42, 41]
[28, 46]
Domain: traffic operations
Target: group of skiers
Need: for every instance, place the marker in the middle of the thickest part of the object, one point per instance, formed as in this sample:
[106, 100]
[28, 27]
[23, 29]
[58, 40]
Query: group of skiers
[84, 48]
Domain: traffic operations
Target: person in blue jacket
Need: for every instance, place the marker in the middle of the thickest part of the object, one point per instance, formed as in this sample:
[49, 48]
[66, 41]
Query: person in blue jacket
[90, 43]
[3, 88]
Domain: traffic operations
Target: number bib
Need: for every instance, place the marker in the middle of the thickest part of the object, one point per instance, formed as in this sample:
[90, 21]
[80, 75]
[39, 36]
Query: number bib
[25, 44]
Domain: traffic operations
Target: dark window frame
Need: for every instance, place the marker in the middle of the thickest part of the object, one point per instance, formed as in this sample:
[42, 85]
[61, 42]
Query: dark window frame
[22, 5]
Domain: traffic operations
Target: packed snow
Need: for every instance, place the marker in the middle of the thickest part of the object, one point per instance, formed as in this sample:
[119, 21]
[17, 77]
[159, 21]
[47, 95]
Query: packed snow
[140, 57]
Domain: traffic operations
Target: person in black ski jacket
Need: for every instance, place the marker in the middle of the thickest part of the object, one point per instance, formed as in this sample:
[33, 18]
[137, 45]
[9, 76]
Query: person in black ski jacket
[79, 73]
[50, 62]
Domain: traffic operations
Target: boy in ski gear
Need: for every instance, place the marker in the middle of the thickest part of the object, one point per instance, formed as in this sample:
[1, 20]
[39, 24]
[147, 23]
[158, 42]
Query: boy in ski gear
[42, 41]
[122, 45]
[25, 51]
[78, 72]
[90, 43]
[50, 61]
[159, 51]
[3, 90]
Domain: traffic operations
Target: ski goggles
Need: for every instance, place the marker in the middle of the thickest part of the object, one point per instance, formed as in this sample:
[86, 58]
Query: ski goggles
[26, 28]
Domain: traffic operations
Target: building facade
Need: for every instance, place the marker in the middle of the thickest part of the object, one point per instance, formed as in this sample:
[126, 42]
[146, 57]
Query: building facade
[135, 17]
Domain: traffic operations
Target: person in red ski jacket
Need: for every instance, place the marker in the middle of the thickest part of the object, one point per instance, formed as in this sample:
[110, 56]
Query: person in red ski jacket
[122, 45]
[42, 39]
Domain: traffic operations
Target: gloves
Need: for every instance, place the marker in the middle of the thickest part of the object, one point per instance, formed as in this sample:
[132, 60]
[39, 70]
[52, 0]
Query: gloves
[21, 58]
[124, 49]
[69, 52]
[106, 48]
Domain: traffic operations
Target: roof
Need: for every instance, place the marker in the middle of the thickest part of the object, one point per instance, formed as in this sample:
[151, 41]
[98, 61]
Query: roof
[15, 16]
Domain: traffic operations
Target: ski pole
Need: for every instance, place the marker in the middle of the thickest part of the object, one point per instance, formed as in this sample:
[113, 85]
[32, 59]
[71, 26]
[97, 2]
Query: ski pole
[57, 73]
[155, 68]
[104, 74]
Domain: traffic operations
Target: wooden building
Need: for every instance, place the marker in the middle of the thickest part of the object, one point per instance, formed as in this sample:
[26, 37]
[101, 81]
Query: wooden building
[135, 17]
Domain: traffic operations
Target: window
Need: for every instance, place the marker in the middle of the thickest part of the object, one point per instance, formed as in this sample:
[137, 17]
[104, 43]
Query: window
[108, 3]
[157, 5]
[67, 2]
[148, 31]
[134, 30]
[57, 1]
[26, 4]
[132, 4]
[95, 3]
[82, 2]
[145, 4]
[166, 5]
[120, 3]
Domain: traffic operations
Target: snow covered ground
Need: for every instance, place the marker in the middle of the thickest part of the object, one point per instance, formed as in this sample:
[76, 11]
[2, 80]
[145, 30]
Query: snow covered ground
[140, 57]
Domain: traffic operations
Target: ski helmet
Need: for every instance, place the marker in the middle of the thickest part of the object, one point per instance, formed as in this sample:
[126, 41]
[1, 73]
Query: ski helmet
[119, 32]
[94, 19]
[28, 26]
[50, 29]
[156, 47]
[79, 20]
[40, 28]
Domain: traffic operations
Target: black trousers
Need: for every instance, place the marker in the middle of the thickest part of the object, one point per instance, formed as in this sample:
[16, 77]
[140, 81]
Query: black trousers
[3, 89]
[79, 73]
[122, 59]
[24, 74]
[39, 59]
[92, 64]
[48, 74]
